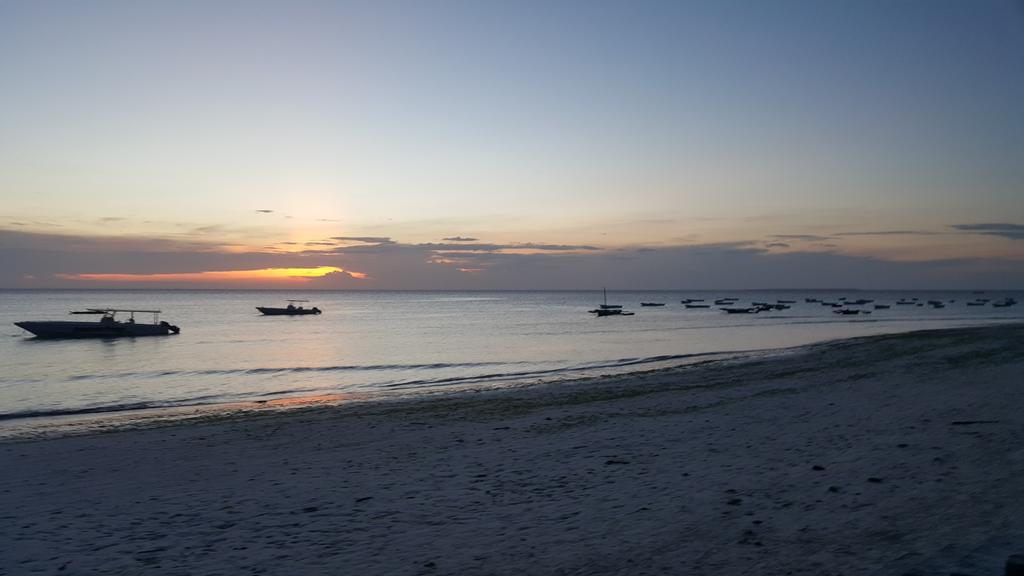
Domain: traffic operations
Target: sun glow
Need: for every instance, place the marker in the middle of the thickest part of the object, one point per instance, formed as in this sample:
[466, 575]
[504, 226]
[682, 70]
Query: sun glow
[278, 274]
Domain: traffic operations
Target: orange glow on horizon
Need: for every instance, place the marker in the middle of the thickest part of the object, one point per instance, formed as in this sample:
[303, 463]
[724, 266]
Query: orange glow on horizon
[278, 274]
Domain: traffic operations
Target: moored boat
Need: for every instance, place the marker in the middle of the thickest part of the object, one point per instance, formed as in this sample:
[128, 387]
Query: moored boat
[607, 309]
[108, 325]
[740, 310]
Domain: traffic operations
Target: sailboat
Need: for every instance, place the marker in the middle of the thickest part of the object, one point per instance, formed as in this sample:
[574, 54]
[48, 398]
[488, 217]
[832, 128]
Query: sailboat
[607, 309]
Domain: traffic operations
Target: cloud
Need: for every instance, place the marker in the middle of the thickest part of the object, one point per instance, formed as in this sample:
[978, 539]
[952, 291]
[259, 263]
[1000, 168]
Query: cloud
[364, 239]
[522, 246]
[1001, 229]
[888, 233]
[459, 239]
[804, 237]
[217, 276]
[56, 260]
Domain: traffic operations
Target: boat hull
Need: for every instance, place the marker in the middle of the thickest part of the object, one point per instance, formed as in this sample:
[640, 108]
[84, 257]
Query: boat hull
[66, 329]
[266, 311]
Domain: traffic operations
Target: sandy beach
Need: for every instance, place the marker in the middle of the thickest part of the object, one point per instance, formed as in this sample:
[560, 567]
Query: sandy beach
[897, 454]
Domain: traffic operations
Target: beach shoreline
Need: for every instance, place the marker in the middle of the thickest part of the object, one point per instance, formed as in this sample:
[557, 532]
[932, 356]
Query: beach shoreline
[879, 454]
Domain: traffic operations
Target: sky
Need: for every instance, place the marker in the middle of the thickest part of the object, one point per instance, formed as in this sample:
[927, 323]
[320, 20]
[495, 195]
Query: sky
[512, 145]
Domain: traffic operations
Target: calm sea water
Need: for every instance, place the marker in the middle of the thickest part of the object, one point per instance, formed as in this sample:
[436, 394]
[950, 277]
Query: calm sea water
[375, 344]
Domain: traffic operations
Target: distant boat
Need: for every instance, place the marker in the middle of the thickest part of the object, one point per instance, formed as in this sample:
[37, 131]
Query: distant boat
[786, 301]
[611, 312]
[107, 326]
[698, 305]
[811, 300]
[740, 310]
[850, 311]
[652, 303]
[290, 310]
[607, 309]
[881, 306]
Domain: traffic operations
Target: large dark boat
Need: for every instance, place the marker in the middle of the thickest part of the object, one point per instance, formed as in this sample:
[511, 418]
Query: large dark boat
[290, 310]
[108, 325]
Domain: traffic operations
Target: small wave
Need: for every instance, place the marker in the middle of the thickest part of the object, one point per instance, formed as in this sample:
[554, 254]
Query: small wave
[289, 370]
[213, 399]
[568, 370]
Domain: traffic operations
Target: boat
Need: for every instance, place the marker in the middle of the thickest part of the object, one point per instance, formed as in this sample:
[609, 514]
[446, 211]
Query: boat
[652, 303]
[882, 306]
[851, 311]
[290, 310]
[607, 309]
[108, 325]
[611, 312]
[698, 305]
[786, 301]
[740, 310]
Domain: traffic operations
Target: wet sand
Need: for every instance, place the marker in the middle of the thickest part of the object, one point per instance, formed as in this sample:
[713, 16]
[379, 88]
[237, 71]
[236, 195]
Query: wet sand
[883, 455]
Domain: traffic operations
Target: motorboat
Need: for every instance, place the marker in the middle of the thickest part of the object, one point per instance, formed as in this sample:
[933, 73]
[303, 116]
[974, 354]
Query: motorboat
[652, 303]
[108, 325]
[290, 310]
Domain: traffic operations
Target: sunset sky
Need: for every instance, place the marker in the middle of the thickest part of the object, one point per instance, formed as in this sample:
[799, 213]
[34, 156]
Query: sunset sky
[520, 145]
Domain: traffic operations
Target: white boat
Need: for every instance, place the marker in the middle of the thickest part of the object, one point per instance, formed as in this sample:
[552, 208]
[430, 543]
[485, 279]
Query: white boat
[108, 325]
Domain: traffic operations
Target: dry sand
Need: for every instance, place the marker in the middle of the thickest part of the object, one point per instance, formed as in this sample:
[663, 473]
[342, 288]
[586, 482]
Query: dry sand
[883, 455]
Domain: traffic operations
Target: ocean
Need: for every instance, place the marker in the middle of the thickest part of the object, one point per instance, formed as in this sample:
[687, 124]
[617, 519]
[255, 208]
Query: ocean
[375, 345]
